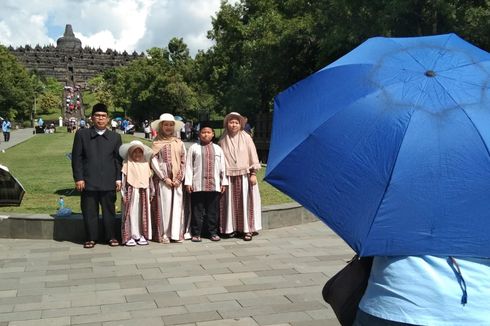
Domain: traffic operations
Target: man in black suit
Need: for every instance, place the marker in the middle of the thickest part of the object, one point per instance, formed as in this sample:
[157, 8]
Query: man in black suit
[96, 166]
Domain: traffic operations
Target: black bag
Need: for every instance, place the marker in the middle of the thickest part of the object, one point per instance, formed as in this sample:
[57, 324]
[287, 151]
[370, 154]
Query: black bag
[345, 289]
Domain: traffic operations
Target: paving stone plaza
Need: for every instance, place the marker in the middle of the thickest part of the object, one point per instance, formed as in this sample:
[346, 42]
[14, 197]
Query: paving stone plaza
[276, 279]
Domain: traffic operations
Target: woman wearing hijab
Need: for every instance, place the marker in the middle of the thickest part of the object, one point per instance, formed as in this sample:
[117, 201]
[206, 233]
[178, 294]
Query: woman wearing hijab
[168, 163]
[240, 204]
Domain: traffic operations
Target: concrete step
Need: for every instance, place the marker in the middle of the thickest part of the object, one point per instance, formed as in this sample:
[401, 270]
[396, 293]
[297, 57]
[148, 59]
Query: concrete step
[44, 226]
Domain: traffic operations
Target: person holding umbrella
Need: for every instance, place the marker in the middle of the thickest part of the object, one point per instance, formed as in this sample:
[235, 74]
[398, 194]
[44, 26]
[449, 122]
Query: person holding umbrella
[397, 163]
[426, 290]
[96, 166]
[240, 204]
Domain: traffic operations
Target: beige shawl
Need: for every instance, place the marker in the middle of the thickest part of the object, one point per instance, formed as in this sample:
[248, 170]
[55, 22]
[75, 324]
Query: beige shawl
[175, 148]
[137, 173]
[240, 152]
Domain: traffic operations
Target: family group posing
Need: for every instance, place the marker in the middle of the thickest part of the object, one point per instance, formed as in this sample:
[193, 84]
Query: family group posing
[166, 191]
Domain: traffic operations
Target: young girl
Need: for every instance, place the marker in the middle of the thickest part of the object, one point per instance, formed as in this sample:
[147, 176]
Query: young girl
[136, 188]
[168, 164]
[240, 205]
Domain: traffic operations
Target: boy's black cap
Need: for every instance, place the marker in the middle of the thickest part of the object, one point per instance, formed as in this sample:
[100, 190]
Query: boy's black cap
[99, 107]
[205, 124]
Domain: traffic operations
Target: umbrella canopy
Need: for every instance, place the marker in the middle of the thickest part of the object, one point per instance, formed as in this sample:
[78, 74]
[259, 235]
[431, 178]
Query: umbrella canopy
[389, 146]
[11, 190]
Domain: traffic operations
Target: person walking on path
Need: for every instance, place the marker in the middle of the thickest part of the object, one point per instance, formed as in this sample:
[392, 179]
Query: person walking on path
[96, 166]
[147, 129]
[240, 206]
[204, 180]
[6, 127]
[168, 164]
[136, 191]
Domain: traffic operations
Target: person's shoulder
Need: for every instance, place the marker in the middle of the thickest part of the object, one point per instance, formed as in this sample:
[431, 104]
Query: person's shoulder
[217, 147]
[246, 134]
[83, 131]
[110, 133]
[194, 146]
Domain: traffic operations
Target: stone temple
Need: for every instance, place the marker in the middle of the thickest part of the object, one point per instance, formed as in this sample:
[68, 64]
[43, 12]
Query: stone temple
[69, 62]
[72, 65]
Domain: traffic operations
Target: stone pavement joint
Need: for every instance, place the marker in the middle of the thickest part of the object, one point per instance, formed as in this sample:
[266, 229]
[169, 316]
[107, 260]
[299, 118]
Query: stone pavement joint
[276, 279]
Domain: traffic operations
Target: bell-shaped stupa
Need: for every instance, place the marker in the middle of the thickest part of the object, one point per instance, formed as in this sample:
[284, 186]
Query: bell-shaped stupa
[68, 41]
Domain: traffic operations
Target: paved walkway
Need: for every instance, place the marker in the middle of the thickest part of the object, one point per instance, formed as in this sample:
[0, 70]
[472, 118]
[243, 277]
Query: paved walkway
[16, 137]
[276, 279]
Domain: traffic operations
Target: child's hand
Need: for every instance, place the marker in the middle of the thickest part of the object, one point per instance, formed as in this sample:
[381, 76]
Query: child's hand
[253, 179]
[188, 189]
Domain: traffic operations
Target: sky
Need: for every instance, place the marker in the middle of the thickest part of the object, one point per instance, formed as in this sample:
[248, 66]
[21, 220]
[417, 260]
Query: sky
[131, 25]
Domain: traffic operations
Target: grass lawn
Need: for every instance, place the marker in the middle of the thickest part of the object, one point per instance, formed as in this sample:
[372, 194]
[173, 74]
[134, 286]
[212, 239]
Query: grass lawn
[44, 170]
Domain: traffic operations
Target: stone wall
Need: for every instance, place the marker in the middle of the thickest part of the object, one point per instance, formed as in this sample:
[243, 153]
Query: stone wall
[71, 67]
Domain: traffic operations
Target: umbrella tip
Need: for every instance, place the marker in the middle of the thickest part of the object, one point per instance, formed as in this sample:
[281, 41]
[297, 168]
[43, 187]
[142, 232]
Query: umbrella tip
[430, 73]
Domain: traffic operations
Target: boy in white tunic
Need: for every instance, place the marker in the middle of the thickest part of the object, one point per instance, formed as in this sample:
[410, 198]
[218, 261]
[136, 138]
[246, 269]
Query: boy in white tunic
[205, 179]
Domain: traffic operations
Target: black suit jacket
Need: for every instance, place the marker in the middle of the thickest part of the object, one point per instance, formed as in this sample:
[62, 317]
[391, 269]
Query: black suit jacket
[95, 159]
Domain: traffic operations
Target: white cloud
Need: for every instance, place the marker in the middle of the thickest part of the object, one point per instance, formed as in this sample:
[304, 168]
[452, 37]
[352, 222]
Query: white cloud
[118, 24]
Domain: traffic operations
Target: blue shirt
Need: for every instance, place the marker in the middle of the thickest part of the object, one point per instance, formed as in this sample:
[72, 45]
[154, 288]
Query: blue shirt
[6, 126]
[424, 290]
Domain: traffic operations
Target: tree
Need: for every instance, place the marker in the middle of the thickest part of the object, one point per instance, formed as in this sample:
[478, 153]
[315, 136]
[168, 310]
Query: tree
[101, 90]
[50, 95]
[264, 46]
[158, 83]
[16, 90]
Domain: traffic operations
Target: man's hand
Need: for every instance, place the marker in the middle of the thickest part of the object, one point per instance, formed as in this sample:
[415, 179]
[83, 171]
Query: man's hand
[189, 189]
[80, 185]
[223, 189]
[253, 179]
[118, 185]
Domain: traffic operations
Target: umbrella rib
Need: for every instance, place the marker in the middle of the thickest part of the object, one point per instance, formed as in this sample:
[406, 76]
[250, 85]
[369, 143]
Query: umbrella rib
[389, 179]
[440, 56]
[461, 81]
[469, 118]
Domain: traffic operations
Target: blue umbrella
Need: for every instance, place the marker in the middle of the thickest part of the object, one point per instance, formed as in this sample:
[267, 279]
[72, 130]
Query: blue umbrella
[389, 146]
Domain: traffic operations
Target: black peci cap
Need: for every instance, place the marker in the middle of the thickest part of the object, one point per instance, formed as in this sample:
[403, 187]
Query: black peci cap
[99, 107]
[205, 124]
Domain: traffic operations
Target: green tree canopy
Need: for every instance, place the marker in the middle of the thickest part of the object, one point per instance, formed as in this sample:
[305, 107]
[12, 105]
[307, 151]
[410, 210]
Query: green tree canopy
[16, 89]
[264, 46]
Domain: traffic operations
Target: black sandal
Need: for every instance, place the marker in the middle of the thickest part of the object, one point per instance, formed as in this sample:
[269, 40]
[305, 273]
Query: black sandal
[196, 239]
[247, 237]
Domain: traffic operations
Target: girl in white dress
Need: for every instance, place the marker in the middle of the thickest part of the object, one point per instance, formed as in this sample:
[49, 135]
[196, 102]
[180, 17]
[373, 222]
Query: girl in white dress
[136, 190]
